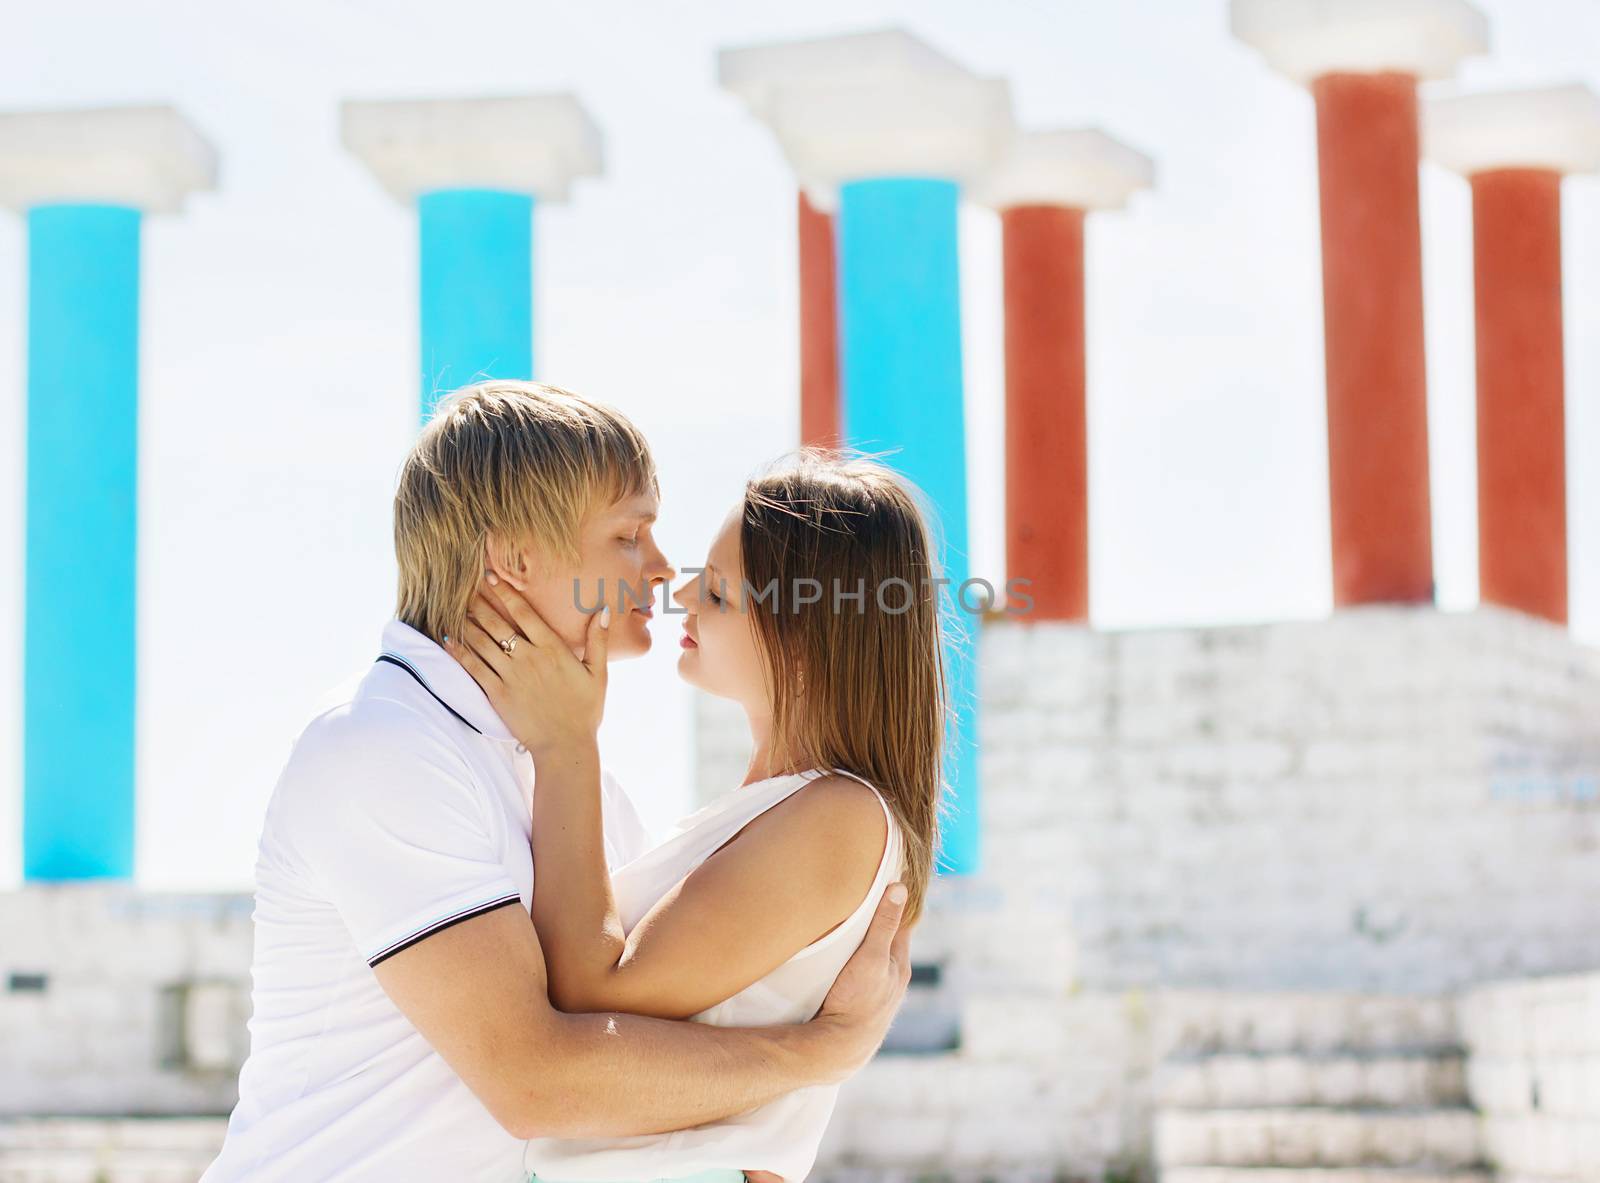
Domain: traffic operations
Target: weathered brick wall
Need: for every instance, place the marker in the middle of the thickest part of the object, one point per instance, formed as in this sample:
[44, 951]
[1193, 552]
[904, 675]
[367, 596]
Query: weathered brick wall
[1390, 801]
[1534, 1074]
[108, 1149]
[122, 1002]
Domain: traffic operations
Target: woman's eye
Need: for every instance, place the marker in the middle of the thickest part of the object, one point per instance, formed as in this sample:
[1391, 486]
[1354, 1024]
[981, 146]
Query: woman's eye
[629, 541]
[713, 597]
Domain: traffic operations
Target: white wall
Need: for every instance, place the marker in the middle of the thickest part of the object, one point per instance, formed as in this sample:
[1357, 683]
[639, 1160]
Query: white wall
[1534, 1073]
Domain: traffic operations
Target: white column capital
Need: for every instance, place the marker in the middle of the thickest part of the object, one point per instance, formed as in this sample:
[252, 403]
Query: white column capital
[536, 144]
[147, 157]
[1080, 167]
[1552, 127]
[757, 73]
[875, 104]
[1305, 39]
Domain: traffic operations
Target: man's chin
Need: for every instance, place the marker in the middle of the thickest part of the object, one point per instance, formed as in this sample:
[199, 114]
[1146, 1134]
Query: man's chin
[632, 641]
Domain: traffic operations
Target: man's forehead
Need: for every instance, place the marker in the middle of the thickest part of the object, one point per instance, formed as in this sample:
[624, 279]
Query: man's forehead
[644, 505]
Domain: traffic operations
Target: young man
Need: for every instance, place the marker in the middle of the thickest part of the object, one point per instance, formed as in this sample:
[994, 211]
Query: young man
[401, 1028]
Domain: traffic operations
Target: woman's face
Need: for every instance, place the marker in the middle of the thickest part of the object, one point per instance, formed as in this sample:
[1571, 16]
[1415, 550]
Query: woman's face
[719, 646]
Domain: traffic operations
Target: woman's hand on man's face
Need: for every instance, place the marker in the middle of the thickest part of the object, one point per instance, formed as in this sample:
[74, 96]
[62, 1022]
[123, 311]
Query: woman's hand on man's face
[547, 697]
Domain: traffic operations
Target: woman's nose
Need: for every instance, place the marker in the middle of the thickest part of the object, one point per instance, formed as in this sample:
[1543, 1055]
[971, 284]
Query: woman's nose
[681, 596]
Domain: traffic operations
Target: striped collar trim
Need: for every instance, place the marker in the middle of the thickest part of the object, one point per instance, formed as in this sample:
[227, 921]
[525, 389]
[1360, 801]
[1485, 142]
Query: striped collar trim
[412, 670]
[444, 678]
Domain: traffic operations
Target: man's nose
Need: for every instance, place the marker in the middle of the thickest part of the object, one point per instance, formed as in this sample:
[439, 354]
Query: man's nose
[659, 568]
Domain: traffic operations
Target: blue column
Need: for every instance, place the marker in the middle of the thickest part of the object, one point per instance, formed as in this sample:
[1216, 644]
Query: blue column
[900, 372]
[477, 288]
[82, 521]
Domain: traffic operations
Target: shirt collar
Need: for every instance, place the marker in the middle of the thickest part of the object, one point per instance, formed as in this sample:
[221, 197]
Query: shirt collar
[444, 677]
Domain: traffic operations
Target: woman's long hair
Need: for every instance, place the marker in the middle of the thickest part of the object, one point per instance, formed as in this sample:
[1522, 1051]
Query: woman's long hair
[839, 568]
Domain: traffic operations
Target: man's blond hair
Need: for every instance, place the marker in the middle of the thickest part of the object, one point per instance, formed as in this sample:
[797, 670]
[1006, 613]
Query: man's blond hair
[521, 460]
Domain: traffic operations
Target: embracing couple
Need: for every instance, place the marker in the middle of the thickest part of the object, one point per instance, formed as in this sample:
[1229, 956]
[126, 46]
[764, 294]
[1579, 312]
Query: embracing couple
[471, 963]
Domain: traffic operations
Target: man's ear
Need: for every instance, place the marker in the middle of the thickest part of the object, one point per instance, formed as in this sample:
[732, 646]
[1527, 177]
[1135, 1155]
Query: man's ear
[509, 563]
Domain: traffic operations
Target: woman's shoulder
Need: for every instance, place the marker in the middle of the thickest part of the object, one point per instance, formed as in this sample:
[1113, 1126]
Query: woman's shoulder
[836, 814]
[830, 840]
[846, 793]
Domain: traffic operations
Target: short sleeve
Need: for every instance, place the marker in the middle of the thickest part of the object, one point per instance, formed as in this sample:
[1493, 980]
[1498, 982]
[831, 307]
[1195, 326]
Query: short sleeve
[391, 829]
[625, 834]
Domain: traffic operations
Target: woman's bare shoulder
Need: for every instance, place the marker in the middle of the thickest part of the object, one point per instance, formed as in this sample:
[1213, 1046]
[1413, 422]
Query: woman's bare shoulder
[829, 839]
[836, 815]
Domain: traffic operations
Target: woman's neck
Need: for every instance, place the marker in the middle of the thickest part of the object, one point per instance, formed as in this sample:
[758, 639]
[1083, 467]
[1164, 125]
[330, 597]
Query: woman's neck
[765, 763]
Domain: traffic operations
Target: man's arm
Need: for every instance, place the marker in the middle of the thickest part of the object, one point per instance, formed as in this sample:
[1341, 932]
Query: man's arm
[477, 993]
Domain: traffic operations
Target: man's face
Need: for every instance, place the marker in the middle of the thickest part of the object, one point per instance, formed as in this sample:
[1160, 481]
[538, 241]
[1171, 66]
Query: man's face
[619, 564]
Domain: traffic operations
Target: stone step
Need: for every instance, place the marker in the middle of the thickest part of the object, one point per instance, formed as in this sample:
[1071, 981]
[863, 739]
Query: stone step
[1251, 1081]
[108, 1150]
[200, 1134]
[1321, 1175]
[1201, 1022]
[1319, 1137]
[68, 1166]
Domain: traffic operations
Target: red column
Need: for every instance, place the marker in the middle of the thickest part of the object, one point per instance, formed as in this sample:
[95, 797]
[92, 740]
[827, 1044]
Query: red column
[1367, 149]
[1522, 487]
[1047, 456]
[819, 330]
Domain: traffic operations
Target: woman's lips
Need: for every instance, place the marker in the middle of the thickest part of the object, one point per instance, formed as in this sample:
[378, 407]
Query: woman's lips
[687, 642]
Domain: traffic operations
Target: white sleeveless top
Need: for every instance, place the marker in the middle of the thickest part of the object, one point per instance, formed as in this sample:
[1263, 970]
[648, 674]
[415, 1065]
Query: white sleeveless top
[783, 1135]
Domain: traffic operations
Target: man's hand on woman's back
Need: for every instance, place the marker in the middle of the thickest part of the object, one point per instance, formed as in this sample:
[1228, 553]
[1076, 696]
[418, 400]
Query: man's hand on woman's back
[872, 984]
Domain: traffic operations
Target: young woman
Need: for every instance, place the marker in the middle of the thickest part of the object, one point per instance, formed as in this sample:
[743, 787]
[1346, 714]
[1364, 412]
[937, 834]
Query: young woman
[817, 612]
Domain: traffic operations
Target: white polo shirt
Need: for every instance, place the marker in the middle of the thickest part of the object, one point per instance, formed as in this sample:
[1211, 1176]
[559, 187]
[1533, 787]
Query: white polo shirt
[405, 807]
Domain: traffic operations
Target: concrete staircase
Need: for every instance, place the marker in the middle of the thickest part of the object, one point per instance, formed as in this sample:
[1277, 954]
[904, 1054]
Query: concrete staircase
[1314, 1088]
[108, 1149]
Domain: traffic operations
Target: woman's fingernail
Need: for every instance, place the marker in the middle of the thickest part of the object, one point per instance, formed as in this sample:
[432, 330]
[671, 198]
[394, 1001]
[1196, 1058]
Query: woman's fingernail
[605, 616]
[897, 893]
[494, 580]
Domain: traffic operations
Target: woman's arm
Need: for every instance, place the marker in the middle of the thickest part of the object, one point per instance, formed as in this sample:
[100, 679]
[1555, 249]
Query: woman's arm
[574, 910]
[791, 875]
